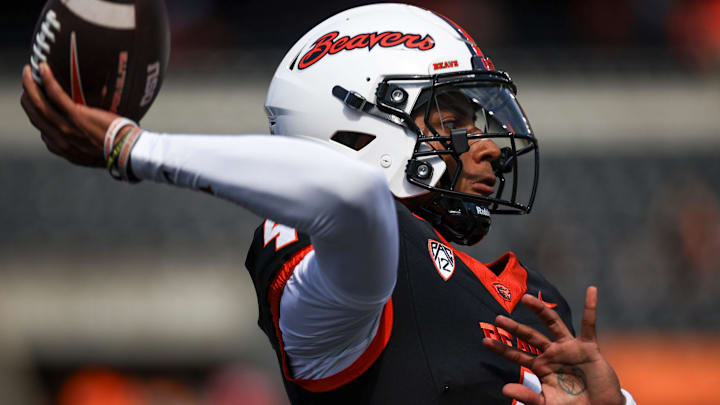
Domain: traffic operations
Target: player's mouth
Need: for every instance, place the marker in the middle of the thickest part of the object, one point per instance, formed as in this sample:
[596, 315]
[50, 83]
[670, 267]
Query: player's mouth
[484, 185]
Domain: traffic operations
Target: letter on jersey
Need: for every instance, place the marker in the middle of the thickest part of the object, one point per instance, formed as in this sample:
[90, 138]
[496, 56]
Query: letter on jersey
[283, 235]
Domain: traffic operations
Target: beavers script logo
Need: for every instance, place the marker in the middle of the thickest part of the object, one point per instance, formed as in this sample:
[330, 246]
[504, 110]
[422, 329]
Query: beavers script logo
[331, 44]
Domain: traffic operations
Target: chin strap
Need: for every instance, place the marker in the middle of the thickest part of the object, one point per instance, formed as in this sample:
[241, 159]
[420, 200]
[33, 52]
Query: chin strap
[357, 102]
[458, 221]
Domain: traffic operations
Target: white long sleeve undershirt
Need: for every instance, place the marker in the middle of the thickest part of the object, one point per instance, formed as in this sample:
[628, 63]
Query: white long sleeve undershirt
[332, 304]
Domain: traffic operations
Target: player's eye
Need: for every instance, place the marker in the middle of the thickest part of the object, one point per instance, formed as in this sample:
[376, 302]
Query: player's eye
[448, 124]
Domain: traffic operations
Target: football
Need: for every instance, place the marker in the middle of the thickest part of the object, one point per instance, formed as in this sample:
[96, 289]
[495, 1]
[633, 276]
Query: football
[110, 54]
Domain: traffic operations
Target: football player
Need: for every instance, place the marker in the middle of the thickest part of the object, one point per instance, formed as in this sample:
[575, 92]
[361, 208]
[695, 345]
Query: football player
[395, 138]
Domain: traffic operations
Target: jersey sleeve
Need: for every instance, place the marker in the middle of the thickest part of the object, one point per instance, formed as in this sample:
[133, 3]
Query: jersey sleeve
[264, 261]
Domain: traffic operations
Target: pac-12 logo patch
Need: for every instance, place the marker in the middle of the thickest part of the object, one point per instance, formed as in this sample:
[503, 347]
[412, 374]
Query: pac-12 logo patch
[503, 291]
[443, 257]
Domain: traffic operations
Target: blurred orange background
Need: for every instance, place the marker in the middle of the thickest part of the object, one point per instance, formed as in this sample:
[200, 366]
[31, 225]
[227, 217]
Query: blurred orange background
[666, 369]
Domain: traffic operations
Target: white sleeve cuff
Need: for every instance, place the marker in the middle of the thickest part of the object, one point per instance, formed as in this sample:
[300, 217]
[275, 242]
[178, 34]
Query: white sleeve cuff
[628, 398]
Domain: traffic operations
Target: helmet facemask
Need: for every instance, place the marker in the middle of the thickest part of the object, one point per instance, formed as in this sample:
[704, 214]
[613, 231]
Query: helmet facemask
[482, 108]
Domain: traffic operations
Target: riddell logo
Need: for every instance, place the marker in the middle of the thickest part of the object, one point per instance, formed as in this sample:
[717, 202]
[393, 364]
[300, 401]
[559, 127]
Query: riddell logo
[330, 43]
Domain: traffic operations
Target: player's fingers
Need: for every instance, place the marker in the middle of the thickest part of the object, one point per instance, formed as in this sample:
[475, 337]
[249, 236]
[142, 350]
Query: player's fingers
[59, 134]
[33, 92]
[28, 82]
[551, 319]
[88, 125]
[31, 111]
[55, 92]
[41, 104]
[514, 355]
[523, 394]
[62, 140]
[588, 331]
[60, 143]
[53, 146]
[526, 333]
[50, 134]
[38, 119]
[70, 152]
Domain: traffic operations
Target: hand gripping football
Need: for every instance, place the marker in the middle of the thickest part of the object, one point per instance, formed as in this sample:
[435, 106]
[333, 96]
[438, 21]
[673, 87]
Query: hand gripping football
[110, 54]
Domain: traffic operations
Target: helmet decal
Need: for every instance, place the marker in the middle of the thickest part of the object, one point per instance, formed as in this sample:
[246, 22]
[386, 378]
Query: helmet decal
[472, 46]
[480, 61]
[445, 64]
[487, 63]
[330, 43]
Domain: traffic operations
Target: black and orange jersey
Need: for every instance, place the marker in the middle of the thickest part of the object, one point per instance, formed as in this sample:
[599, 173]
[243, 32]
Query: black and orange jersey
[428, 348]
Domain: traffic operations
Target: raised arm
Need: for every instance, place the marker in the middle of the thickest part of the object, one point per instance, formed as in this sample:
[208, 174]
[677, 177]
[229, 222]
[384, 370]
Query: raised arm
[344, 205]
[339, 202]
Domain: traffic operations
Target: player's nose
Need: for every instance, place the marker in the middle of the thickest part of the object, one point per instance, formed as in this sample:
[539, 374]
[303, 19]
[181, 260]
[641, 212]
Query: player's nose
[484, 150]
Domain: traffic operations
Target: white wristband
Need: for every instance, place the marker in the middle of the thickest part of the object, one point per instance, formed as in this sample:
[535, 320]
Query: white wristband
[124, 158]
[112, 131]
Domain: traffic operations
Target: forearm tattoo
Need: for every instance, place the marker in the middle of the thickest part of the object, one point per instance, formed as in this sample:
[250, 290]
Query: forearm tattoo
[571, 379]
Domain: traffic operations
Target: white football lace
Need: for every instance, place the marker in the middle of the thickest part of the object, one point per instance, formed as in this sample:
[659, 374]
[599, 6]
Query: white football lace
[40, 45]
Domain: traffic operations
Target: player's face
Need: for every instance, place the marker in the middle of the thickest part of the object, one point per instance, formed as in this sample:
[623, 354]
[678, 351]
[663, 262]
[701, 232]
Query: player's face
[454, 111]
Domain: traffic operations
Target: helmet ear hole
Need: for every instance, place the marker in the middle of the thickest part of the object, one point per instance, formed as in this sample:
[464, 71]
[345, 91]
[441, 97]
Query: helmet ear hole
[353, 140]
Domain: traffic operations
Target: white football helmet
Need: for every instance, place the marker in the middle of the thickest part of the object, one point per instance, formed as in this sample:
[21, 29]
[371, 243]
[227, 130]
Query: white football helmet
[354, 83]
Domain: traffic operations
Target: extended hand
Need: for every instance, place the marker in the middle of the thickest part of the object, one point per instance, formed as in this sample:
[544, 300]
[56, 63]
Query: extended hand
[571, 370]
[72, 131]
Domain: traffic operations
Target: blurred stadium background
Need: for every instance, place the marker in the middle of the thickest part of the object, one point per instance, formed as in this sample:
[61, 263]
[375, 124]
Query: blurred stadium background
[118, 294]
